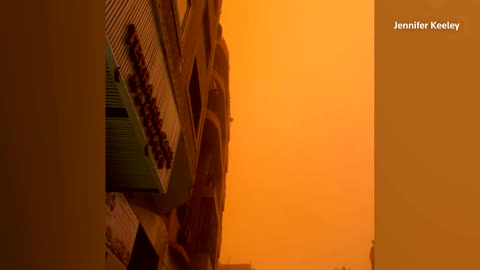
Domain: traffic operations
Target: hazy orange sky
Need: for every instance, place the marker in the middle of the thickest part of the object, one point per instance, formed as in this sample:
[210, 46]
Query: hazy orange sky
[300, 181]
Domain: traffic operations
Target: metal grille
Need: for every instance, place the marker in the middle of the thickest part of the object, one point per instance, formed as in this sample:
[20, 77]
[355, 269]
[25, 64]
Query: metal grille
[127, 166]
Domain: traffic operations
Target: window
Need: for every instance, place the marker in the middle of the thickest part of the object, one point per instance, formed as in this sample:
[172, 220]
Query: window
[143, 255]
[182, 7]
[195, 97]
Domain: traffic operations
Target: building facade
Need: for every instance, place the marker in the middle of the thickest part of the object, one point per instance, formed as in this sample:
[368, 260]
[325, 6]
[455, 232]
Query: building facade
[167, 128]
[196, 225]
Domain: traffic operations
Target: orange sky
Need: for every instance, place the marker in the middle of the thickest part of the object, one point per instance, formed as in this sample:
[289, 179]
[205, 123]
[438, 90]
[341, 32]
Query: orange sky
[300, 181]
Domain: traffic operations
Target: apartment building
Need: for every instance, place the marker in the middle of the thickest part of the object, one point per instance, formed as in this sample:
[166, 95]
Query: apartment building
[167, 132]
